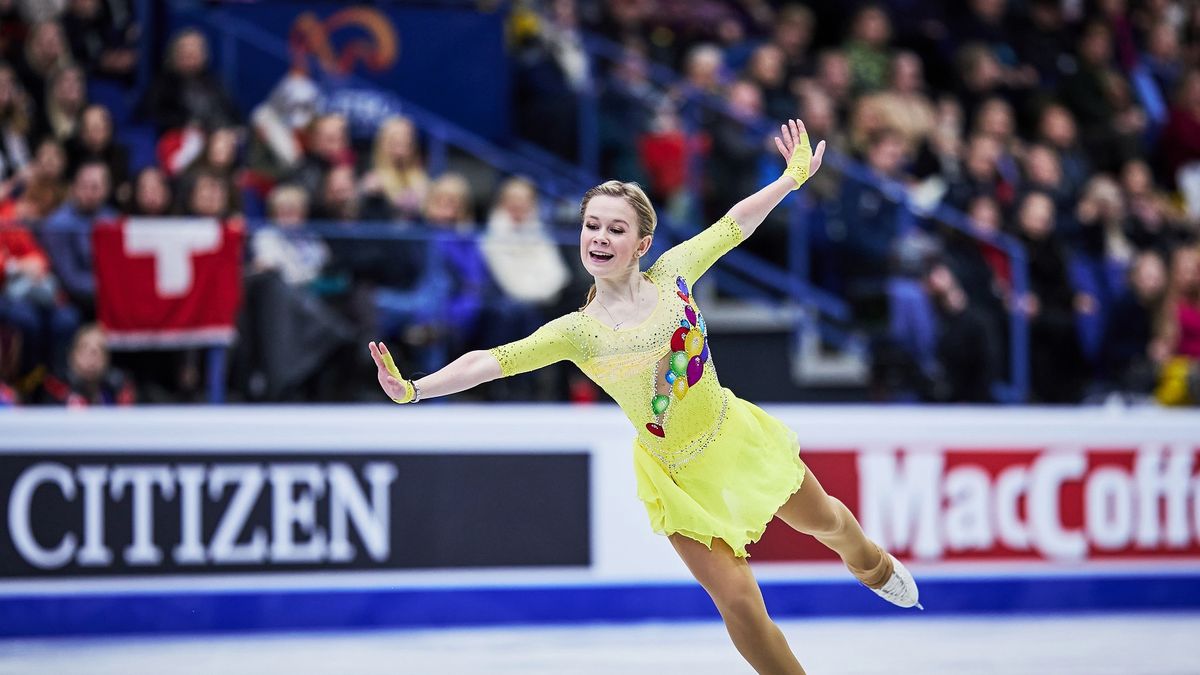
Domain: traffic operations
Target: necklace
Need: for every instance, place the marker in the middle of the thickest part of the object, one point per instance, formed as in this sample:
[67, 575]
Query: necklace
[637, 304]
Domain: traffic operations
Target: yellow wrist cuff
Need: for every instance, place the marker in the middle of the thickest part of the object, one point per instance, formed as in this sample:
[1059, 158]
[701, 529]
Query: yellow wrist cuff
[797, 168]
[410, 390]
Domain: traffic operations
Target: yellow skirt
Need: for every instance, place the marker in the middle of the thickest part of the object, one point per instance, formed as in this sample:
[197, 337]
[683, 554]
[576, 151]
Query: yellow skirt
[733, 488]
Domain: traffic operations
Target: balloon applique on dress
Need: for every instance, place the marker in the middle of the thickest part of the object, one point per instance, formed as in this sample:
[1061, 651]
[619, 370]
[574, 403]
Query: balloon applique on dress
[686, 363]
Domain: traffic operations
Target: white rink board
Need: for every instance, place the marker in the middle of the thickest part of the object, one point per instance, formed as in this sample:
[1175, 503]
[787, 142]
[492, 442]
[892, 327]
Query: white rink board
[618, 521]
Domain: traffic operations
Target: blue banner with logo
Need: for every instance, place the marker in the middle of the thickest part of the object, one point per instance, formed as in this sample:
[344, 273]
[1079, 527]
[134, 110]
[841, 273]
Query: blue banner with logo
[367, 60]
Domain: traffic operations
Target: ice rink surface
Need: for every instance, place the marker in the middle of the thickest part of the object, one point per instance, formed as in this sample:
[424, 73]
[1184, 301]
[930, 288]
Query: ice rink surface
[1129, 644]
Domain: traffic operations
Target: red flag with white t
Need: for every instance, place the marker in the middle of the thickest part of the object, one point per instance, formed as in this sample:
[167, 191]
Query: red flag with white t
[168, 282]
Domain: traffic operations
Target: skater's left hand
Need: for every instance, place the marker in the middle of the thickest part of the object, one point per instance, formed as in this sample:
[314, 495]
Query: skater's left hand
[795, 148]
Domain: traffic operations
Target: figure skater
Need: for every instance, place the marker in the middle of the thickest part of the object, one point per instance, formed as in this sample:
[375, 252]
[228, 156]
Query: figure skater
[712, 469]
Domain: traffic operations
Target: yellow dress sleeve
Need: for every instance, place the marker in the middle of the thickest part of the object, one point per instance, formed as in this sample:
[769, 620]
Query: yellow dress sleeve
[692, 258]
[548, 344]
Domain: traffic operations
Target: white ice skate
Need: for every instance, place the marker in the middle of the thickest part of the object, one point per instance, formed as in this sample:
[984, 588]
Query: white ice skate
[900, 589]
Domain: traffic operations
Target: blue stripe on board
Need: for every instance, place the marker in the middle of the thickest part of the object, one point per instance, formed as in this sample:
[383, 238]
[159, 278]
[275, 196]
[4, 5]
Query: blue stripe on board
[181, 612]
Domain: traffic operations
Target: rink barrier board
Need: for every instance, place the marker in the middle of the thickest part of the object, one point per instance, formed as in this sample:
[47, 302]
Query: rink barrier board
[997, 510]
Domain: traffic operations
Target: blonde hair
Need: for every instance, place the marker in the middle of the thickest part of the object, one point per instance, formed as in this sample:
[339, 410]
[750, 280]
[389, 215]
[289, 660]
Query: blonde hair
[396, 179]
[633, 195]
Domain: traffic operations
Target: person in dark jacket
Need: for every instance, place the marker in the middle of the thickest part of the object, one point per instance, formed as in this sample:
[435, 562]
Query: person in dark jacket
[90, 379]
[1055, 357]
[1126, 362]
[185, 92]
[93, 142]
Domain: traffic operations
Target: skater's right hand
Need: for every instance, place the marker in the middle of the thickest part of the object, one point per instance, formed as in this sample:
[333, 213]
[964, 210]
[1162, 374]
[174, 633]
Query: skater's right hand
[396, 387]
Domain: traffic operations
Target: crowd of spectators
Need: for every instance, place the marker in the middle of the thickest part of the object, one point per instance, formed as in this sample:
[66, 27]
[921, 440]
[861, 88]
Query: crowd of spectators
[432, 285]
[1073, 128]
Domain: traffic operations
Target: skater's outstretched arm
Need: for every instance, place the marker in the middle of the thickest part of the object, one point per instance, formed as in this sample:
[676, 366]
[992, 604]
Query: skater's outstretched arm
[802, 162]
[469, 370]
[548, 344]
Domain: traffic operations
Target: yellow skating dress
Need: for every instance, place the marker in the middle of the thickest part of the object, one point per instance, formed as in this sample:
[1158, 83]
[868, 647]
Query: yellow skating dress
[709, 465]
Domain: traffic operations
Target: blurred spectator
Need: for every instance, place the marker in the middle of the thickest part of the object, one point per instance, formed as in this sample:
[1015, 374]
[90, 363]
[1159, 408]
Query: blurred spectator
[820, 117]
[328, 146]
[285, 245]
[628, 106]
[1115, 15]
[1155, 221]
[666, 152]
[90, 380]
[1100, 98]
[1055, 359]
[1041, 38]
[521, 256]
[29, 298]
[1181, 137]
[1042, 172]
[279, 124]
[448, 296]
[67, 234]
[93, 142]
[980, 177]
[151, 194]
[14, 127]
[938, 161]
[46, 52]
[903, 107]
[552, 68]
[1126, 362]
[218, 159]
[96, 41]
[1163, 57]
[209, 196]
[981, 77]
[865, 220]
[1102, 222]
[1057, 129]
[967, 353]
[987, 222]
[65, 100]
[835, 79]
[185, 93]
[867, 48]
[792, 33]
[292, 343]
[768, 70]
[44, 185]
[981, 271]
[994, 118]
[339, 198]
[1176, 344]
[397, 169]
[528, 268]
[703, 72]
[737, 149]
